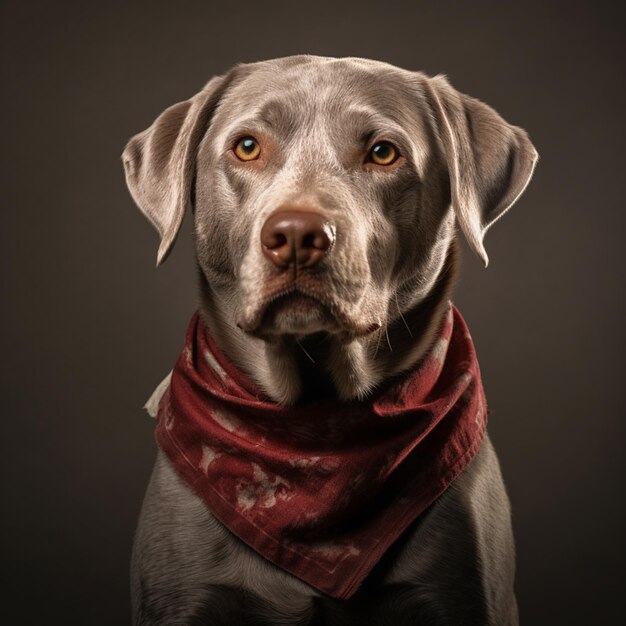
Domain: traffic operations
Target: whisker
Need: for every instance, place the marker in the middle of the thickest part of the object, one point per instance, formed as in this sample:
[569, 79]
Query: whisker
[380, 334]
[305, 352]
[388, 342]
[402, 316]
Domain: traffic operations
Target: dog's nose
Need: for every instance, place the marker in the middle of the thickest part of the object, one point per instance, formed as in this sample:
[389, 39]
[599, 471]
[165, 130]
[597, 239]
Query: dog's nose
[300, 238]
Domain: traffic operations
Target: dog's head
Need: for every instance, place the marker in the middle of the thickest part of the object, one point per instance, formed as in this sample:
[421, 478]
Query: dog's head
[326, 191]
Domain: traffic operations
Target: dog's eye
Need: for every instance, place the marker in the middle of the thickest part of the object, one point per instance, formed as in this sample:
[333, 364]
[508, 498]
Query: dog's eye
[247, 149]
[383, 153]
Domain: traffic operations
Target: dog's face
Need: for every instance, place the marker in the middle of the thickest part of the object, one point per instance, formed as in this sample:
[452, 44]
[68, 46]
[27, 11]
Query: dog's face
[326, 190]
[342, 150]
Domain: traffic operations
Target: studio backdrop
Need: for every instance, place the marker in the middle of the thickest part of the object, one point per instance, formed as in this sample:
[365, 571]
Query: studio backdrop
[90, 326]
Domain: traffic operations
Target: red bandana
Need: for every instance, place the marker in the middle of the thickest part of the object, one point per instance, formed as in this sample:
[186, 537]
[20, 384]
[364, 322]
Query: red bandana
[322, 490]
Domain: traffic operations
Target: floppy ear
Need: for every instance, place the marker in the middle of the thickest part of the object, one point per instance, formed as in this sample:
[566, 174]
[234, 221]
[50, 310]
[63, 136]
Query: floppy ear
[490, 162]
[159, 162]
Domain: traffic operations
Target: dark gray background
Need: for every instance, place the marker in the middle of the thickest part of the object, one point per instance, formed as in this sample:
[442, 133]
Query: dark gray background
[89, 327]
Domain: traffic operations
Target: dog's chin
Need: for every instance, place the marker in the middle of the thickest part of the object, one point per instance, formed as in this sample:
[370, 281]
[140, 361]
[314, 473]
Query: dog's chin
[299, 314]
[296, 314]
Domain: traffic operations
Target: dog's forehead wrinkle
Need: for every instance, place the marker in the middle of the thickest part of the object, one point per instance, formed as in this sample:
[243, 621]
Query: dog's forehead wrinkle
[366, 114]
[332, 84]
[278, 113]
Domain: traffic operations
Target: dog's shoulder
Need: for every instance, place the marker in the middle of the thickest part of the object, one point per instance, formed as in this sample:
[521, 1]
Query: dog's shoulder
[465, 538]
[183, 550]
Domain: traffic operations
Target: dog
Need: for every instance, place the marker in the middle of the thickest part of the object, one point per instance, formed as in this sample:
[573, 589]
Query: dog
[326, 194]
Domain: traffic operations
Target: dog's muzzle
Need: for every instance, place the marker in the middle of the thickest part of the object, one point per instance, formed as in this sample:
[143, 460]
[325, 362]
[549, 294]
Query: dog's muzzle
[295, 297]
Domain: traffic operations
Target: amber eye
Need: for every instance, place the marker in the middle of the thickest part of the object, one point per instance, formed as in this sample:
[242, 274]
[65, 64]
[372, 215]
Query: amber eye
[383, 153]
[247, 149]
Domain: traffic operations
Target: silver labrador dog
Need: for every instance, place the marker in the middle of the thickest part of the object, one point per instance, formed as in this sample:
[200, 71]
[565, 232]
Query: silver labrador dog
[266, 156]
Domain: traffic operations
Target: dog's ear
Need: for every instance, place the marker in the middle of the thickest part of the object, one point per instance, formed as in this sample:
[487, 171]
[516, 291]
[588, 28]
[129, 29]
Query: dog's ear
[490, 162]
[159, 162]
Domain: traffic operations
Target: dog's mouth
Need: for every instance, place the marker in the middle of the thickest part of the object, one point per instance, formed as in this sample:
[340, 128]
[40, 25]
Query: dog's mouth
[299, 312]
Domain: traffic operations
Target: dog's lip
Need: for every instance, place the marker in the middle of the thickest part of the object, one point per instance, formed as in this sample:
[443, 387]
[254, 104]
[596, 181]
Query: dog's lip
[253, 325]
[344, 326]
[295, 296]
[295, 299]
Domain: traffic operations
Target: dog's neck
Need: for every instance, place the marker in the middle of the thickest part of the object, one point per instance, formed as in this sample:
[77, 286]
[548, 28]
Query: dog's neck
[320, 366]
